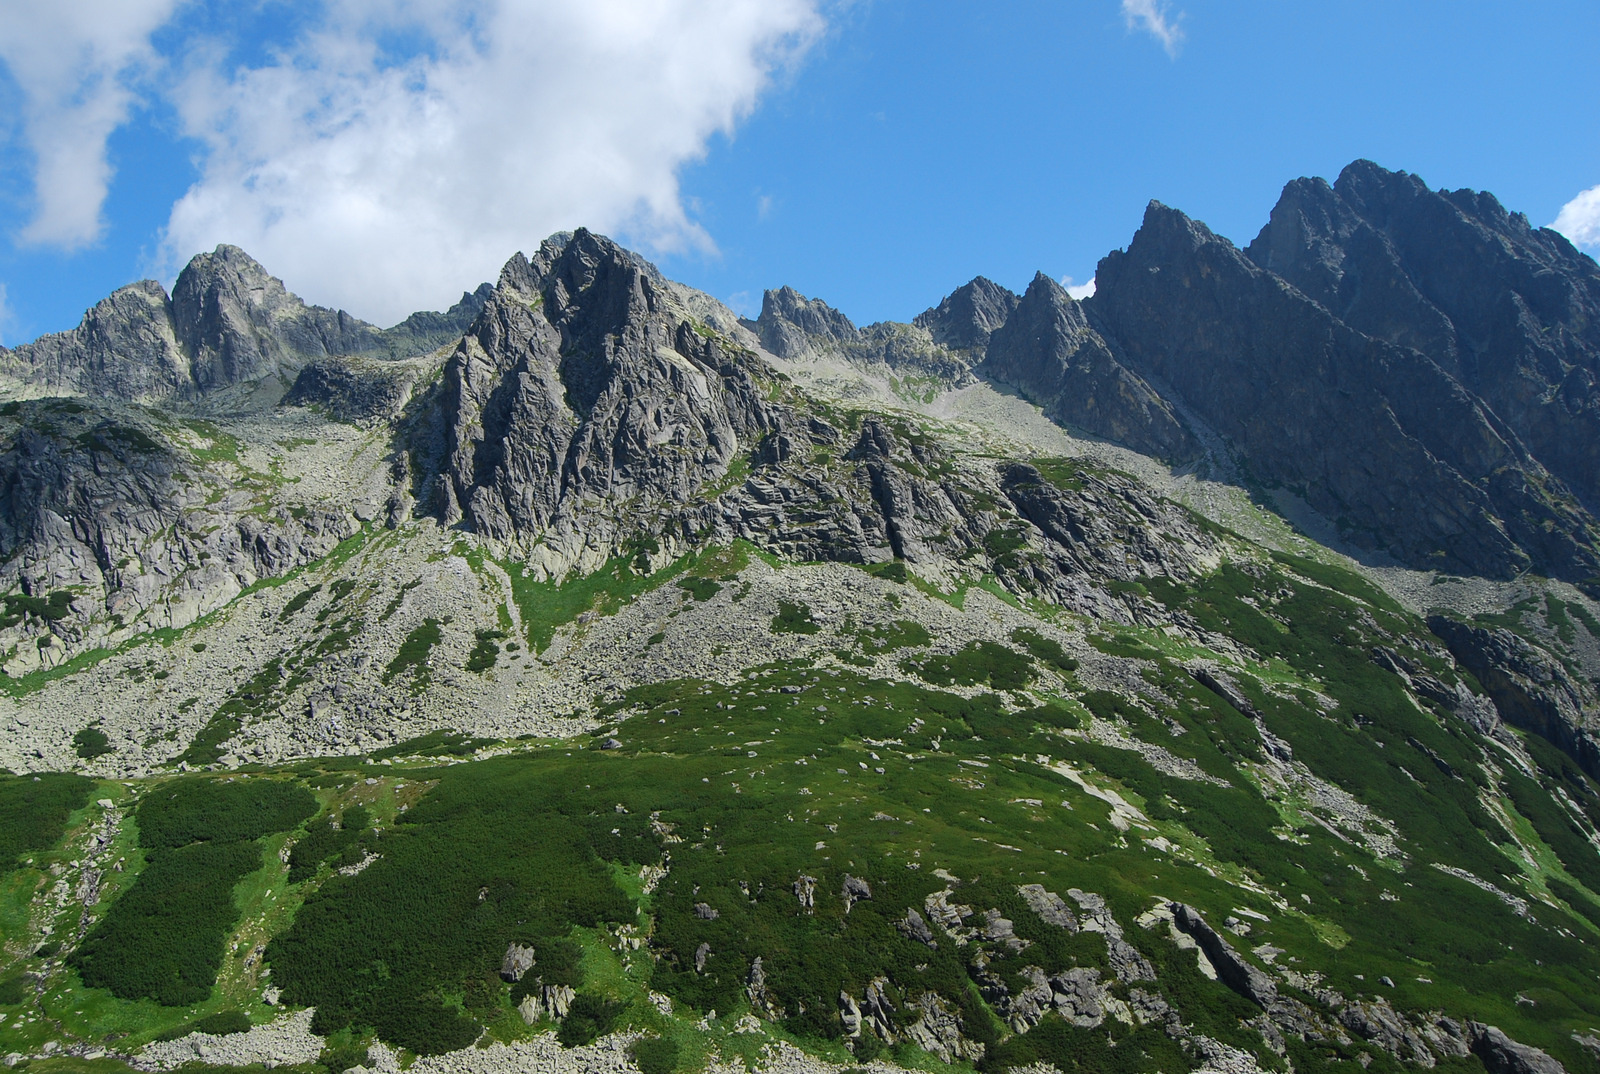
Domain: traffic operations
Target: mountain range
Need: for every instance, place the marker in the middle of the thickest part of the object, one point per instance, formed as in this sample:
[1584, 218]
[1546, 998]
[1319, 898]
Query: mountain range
[1201, 675]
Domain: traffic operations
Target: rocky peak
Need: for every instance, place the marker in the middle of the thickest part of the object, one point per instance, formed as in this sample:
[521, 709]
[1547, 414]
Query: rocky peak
[969, 314]
[584, 404]
[1510, 311]
[240, 324]
[1306, 398]
[789, 322]
[1048, 351]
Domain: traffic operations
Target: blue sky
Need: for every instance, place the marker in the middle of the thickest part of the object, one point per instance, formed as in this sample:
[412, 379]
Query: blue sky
[388, 154]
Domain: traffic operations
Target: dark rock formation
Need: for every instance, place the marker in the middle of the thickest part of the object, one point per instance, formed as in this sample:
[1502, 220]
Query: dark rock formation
[1374, 435]
[1047, 351]
[581, 387]
[1529, 687]
[1510, 311]
[105, 502]
[793, 326]
[969, 315]
[1502, 1055]
[354, 389]
[1231, 967]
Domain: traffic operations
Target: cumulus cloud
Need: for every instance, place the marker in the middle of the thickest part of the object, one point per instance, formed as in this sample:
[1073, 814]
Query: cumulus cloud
[1579, 219]
[396, 152]
[1152, 17]
[1079, 291]
[76, 65]
[386, 185]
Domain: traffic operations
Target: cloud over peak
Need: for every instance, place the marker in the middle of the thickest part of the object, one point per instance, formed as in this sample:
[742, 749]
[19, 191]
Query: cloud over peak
[386, 178]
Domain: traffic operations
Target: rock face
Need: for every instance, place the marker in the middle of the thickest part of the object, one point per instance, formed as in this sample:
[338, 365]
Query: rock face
[1529, 687]
[126, 515]
[969, 315]
[1502, 1055]
[1231, 967]
[1373, 434]
[583, 386]
[793, 326]
[1048, 351]
[1509, 311]
[228, 322]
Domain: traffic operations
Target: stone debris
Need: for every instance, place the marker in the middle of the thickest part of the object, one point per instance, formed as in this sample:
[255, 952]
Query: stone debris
[518, 960]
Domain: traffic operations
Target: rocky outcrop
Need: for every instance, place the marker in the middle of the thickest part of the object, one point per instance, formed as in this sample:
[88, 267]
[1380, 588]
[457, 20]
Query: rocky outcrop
[1529, 687]
[227, 323]
[582, 387]
[1370, 433]
[969, 315]
[1048, 351]
[355, 389]
[1233, 970]
[1502, 1055]
[130, 519]
[518, 960]
[1509, 311]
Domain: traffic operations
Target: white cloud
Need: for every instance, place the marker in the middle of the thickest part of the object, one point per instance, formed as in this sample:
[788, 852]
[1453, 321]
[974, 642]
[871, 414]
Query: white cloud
[1152, 17]
[1579, 219]
[1078, 291]
[387, 187]
[76, 64]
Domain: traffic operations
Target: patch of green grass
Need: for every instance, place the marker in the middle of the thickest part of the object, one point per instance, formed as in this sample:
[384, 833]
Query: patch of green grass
[699, 589]
[1045, 650]
[413, 654]
[486, 651]
[545, 607]
[434, 744]
[889, 637]
[298, 601]
[90, 743]
[978, 663]
[794, 618]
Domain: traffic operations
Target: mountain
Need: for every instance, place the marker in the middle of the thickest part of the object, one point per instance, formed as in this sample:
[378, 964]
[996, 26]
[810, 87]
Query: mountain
[227, 323]
[586, 679]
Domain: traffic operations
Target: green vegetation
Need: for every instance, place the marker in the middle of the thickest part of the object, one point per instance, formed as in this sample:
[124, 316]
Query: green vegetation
[487, 650]
[655, 1055]
[444, 743]
[164, 937]
[198, 809]
[899, 634]
[1045, 650]
[590, 1018]
[34, 812]
[221, 1024]
[700, 589]
[793, 618]
[90, 743]
[979, 663]
[336, 847]
[546, 606]
[298, 601]
[413, 655]
[15, 607]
